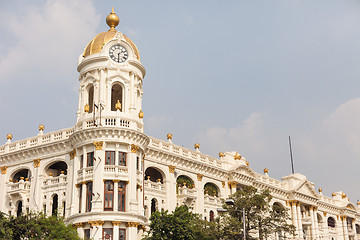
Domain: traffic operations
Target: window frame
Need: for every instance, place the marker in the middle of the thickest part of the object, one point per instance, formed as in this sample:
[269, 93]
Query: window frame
[90, 156]
[111, 156]
[121, 205]
[122, 158]
[108, 196]
[106, 229]
[89, 192]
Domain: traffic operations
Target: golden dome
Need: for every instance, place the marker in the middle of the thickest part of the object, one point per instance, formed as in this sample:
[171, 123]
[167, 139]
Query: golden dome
[98, 42]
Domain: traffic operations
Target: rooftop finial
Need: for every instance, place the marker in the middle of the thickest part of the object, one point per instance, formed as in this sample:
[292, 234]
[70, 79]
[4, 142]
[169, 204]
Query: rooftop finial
[112, 19]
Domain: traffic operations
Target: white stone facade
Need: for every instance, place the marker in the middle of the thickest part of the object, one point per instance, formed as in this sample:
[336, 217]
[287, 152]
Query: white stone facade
[107, 176]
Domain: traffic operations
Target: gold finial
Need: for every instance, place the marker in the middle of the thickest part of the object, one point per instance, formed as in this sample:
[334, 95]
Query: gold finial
[197, 145]
[343, 195]
[41, 127]
[266, 170]
[247, 163]
[237, 156]
[9, 136]
[141, 114]
[169, 136]
[358, 203]
[221, 154]
[320, 190]
[86, 108]
[118, 105]
[112, 20]
[333, 194]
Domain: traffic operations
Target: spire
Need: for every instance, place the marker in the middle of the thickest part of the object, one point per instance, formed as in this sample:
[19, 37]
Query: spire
[112, 20]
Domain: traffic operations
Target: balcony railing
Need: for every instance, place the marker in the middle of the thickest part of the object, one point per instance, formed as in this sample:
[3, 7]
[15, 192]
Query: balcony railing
[21, 186]
[116, 169]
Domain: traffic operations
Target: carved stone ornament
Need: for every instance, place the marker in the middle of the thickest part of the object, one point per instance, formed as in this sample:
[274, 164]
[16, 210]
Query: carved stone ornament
[72, 154]
[237, 156]
[116, 223]
[96, 223]
[169, 136]
[119, 36]
[36, 163]
[3, 169]
[134, 148]
[79, 225]
[223, 183]
[98, 145]
[324, 213]
[199, 177]
[132, 224]
[221, 154]
[171, 169]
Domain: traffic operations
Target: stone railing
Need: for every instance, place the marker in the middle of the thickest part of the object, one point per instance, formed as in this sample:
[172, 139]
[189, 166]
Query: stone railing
[115, 169]
[270, 181]
[154, 185]
[212, 200]
[187, 191]
[178, 150]
[38, 140]
[84, 172]
[21, 185]
[59, 180]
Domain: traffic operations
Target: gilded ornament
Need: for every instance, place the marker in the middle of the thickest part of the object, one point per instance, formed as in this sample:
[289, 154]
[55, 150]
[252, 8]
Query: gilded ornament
[320, 190]
[223, 183]
[247, 163]
[41, 127]
[266, 170]
[9, 136]
[86, 108]
[112, 20]
[333, 194]
[116, 223]
[21, 178]
[72, 154]
[79, 225]
[199, 177]
[171, 169]
[118, 105]
[358, 203]
[197, 145]
[26, 179]
[134, 148]
[221, 154]
[237, 156]
[169, 136]
[3, 169]
[141, 114]
[36, 163]
[343, 195]
[96, 223]
[324, 213]
[98, 145]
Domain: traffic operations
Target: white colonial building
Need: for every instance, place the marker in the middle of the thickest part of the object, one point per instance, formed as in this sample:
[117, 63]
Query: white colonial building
[106, 176]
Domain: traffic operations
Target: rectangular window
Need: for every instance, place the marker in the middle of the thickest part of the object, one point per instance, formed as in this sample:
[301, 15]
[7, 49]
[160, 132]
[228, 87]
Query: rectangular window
[87, 234]
[81, 161]
[90, 159]
[64, 209]
[108, 195]
[89, 189]
[109, 158]
[80, 197]
[122, 159]
[121, 196]
[137, 163]
[108, 233]
[122, 234]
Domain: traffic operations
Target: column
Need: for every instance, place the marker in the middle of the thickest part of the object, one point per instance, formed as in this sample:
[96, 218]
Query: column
[98, 183]
[293, 213]
[132, 230]
[325, 226]
[345, 230]
[316, 223]
[3, 186]
[116, 195]
[83, 197]
[35, 192]
[171, 186]
[200, 195]
[96, 230]
[116, 226]
[132, 91]
[313, 234]
[131, 187]
[298, 208]
[354, 228]
[71, 189]
[101, 86]
[80, 230]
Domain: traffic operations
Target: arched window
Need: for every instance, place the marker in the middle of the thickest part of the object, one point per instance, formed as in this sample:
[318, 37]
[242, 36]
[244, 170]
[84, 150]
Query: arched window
[19, 209]
[55, 204]
[185, 181]
[91, 98]
[331, 222]
[116, 95]
[211, 189]
[153, 175]
[357, 228]
[57, 168]
[121, 196]
[153, 205]
[25, 173]
[89, 192]
[211, 216]
[108, 195]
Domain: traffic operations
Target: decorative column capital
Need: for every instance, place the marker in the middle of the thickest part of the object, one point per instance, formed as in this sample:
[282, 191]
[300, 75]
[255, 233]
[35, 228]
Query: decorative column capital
[116, 223]
[3, 169]
[116, 180]
[232, 184]
[171, 169]
[199, 177]
[132, 224]
[134, 148]
[36, 163]
[223, 183]
[98, 145]
[79, 225]
[324, 213]
[72, 154]
[96, 223]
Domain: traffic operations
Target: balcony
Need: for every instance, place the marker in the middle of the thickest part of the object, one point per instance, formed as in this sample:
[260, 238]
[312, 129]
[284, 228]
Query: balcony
[212, 200]
[55, 183]
[85, 173]
[21, 187]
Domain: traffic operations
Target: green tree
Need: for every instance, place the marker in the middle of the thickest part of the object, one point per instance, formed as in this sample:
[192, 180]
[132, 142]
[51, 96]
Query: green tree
[35, 226]
[178, 225]
[260, 216]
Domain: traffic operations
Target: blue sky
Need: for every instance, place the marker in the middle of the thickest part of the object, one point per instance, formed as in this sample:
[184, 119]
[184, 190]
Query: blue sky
[240, 76]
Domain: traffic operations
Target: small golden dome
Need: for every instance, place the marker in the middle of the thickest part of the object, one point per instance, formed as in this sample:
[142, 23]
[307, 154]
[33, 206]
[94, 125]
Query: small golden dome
[41, 127]
[9, 136]
[141, 114]
[237, 156]
[98, 42]
[197, 145]
[86, 108]
[169, 136]
[320, 189]
[266, 170]
[118, 105]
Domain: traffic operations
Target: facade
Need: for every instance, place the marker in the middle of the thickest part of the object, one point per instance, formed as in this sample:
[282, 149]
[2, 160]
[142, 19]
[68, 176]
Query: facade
[106, 176]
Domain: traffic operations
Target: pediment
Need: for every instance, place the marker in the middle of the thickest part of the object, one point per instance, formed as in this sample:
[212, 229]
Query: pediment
[306, 188]
[244, 170]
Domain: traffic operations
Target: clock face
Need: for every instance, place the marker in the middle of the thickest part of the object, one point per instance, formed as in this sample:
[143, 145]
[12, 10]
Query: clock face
[118, 53]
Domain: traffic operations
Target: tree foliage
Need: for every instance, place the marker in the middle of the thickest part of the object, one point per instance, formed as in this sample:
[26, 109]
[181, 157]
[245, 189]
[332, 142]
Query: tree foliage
[35, 226]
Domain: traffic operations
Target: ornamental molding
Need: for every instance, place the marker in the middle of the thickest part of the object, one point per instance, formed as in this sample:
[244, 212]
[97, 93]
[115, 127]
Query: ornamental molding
[134, 148]
[3, 169]
[98, 145]
[171, 169]
[79, 225]
[199, 177]
[132, 224]
[96, 223]
[72, 154]
[36, 163]
[116, 223]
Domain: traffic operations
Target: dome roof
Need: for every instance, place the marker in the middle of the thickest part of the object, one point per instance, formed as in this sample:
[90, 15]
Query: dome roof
[98, 42]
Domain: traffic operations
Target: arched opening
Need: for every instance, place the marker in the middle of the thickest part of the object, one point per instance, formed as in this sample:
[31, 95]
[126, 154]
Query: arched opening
[19, 208]
[278, 208]
[57, 168]
[91, 98]
[185, 181]
[153, 205]
[211, 216]
[55, 203]
[116, 95]
[153, 175]
[357, 228]
[331, 222]
[23, 174]
[349, 223]
[211, 189]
